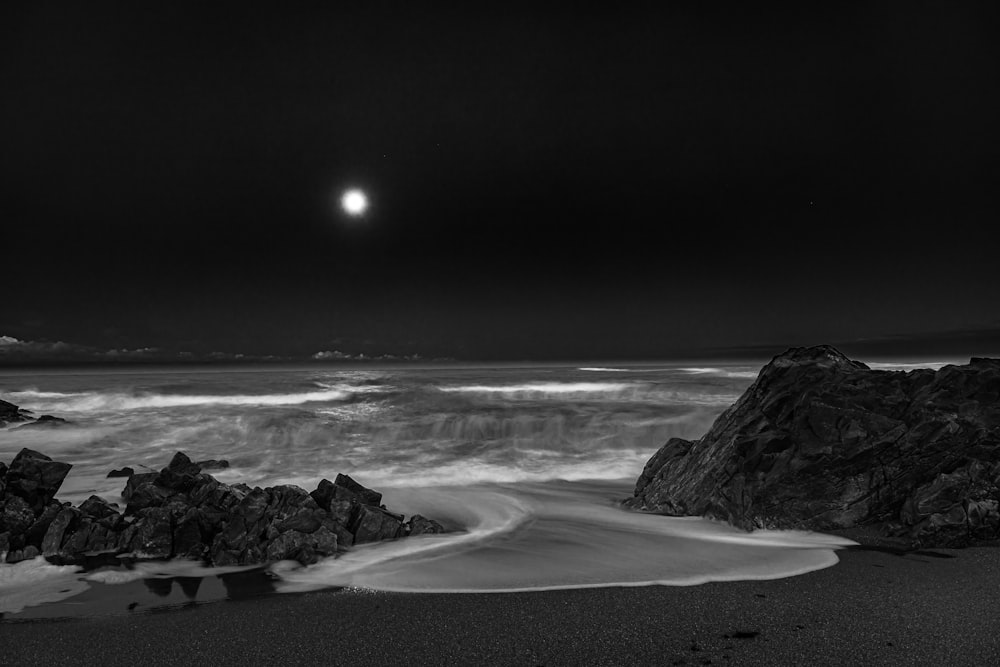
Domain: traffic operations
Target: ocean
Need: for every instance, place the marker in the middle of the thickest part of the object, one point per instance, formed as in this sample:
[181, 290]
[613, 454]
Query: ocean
[527, 463]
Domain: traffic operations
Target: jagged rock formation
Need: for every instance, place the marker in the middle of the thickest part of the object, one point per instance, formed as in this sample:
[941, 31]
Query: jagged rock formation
[823, 442]
[183, 512]
[11, 414]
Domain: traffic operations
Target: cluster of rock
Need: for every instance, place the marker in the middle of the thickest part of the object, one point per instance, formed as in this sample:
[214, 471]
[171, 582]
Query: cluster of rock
[822, 442]
[184, 512]
[11, 414]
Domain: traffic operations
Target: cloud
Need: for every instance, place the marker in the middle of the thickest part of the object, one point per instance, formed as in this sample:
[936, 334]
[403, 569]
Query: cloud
[10, 346]
[25, 352]
[337, 355]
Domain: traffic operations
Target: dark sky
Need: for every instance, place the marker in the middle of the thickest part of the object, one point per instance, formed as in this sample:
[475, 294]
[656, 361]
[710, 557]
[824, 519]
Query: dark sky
[615, 184]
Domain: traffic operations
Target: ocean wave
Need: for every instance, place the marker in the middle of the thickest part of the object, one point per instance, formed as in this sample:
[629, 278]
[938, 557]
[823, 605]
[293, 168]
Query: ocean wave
[534, 466]
[544, 388]
[107, 401]
[597, 369]
[721, 372]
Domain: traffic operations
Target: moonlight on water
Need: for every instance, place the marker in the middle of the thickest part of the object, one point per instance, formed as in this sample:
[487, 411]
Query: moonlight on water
[354, 202]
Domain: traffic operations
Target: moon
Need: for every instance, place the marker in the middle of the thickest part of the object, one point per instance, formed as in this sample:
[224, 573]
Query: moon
[354, 202]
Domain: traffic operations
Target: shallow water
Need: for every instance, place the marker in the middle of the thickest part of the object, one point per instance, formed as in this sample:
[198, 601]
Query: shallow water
[528, 462]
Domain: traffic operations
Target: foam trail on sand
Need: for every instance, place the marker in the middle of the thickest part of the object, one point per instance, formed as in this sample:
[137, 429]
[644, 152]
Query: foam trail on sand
[563, 536]
[34, 582]
[159, 570]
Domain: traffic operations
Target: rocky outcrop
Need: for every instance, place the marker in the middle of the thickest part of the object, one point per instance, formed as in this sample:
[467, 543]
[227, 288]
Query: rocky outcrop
[10, 414]
[823, 442]
[46, 421]
[181, 511]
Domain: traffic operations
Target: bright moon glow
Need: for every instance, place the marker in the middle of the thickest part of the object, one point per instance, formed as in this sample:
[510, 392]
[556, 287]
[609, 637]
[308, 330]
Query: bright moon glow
[354, 202]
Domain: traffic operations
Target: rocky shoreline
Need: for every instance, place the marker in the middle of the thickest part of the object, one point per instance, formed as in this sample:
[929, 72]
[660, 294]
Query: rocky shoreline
[184, 512]
[823, 442]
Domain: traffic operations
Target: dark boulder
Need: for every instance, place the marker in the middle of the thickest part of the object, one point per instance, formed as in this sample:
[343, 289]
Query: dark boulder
[153, 537]
[63, 523]
[17, 516]
[37, 531]
[181, 511]
[180, 474]
[123, 472]
[421, 525]
[97, 508]
[142, 491]
[10, 413]
[822, 442]
[35, 477]
[46, 421]
[373, 524]
[365, 495]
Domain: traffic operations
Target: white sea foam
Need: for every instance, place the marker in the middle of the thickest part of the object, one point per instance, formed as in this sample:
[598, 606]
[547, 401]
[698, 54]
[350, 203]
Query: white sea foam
[159, 570]
[533, 466]
[721, 372]
[563, 536]
[99, 401]
[34, 582]
[544, 388]
[596, 369]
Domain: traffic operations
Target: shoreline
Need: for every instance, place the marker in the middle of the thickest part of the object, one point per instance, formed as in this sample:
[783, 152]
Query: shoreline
[874, 607]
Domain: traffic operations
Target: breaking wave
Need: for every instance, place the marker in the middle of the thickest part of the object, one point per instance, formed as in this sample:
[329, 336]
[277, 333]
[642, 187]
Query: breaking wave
[97, 401]
[540, 388]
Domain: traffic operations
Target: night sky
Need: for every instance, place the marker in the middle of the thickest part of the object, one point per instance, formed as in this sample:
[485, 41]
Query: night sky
[617, 184]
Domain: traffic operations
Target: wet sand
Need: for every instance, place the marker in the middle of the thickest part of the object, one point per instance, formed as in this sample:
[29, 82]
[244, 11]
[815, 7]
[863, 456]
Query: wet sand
[875, 607]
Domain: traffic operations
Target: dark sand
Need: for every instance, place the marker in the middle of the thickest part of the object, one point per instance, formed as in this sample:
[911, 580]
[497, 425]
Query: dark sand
[873, 608]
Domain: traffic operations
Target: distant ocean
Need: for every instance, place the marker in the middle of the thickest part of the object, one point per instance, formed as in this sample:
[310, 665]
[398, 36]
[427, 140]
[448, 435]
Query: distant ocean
[529, 462]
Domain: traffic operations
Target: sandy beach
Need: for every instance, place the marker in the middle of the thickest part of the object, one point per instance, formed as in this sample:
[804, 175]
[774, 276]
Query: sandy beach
[874, 607]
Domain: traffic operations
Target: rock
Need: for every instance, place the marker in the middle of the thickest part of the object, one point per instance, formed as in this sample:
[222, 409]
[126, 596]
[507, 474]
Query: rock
[180, 474]
[154, 534]
[10, 413]
[17, 515]
[366, 496]
[184, 512]
[142, 491]
[373, 524]
[36, 533]
[421, 525]
[822, 442]
[46, 421]
[27, 553]
[35, 477]
[189, 538]
[123, 472]
[324, 493]
[97, 508]
[307, 548]
[54, 536]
